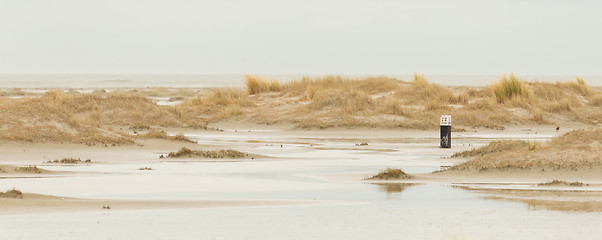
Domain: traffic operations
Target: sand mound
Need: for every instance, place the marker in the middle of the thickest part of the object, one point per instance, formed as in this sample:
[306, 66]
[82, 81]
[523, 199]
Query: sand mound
[11, 194]
[391, 174]
[575, 150]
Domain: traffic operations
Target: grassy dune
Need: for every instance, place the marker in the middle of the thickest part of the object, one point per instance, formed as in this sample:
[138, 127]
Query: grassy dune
[575, 150]
[105, 118]
[73, 117]
[334, 101]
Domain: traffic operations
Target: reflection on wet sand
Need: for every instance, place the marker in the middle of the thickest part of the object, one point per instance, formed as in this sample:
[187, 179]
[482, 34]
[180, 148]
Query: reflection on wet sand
[557, 200]
[391, 188]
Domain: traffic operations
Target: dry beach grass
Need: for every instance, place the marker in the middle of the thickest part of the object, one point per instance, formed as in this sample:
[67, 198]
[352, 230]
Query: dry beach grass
[186, 152]
[106, 118]
[576, 150]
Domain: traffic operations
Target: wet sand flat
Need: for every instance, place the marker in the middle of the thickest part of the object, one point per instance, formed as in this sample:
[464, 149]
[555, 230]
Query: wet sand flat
[307, 180]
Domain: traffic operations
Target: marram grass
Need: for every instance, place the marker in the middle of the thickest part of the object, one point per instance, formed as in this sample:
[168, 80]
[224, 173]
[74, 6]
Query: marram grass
[509, 87]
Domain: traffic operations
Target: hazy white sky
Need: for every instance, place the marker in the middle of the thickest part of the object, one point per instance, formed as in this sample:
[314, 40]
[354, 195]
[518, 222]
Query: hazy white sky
[550, 37]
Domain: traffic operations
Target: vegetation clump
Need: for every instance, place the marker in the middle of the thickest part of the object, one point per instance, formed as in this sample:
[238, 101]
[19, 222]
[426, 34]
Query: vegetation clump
[509, 87]
[14, 193]
[186, 152]
[163, 135]
[69, 161]
[560, 182]
[28, 169]
[391, 174]
[257, 85]
[145, 169]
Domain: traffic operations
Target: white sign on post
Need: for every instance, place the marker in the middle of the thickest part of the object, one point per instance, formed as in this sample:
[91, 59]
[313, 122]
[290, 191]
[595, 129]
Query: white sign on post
[445, 120]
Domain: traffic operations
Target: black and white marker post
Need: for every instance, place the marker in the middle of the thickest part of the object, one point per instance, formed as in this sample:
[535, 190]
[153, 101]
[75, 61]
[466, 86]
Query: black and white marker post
[446, 131]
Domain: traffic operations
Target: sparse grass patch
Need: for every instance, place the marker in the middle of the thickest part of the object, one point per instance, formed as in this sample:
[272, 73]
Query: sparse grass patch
[560, 182]
[493, 147]
[163, 135]
[390, 174]
[70, 161]
[186, 152]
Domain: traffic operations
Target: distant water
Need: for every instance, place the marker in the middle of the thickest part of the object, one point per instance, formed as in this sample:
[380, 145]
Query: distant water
[224, 80]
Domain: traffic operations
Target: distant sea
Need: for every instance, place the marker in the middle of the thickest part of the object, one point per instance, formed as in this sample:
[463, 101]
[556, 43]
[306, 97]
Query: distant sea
[226, 80]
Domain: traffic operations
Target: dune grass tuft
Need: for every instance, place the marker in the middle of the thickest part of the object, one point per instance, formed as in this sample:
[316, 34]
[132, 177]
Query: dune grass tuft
[390, 174]
[509, 87]
[258, 85]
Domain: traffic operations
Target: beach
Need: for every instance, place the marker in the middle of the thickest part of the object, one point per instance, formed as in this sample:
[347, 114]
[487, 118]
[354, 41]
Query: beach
[294, 176]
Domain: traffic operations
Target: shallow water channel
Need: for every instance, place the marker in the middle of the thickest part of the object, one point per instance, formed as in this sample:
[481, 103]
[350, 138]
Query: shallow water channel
[326, 170]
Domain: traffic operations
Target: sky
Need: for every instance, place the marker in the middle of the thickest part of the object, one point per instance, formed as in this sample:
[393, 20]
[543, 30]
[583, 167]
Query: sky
[477, 37]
